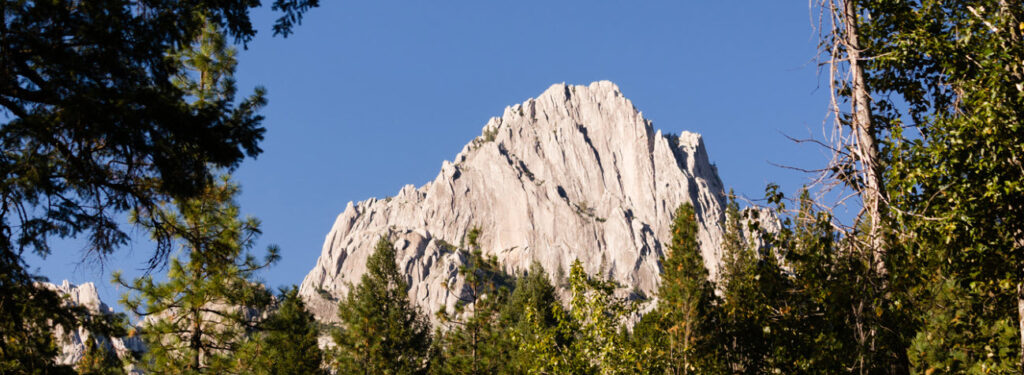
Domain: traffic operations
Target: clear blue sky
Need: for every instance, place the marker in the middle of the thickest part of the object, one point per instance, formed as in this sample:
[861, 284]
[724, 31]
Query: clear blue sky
[368, 96]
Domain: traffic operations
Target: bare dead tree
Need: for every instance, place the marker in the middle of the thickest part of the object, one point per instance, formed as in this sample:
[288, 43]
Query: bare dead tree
[854, 168]
[852, 135]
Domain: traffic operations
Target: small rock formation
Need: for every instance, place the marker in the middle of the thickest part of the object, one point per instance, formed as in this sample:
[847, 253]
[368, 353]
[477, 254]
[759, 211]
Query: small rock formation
[576, 173]
[72, 343]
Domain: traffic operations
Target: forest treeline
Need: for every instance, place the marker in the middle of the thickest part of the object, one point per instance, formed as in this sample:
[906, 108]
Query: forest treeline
[115, 108]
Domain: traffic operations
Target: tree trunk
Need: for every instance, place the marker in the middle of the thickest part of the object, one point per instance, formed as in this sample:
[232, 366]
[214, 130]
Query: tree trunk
[872, 187]
[873, 191]
[1020, 319]
[686, 346]
[475, 330]
[860, 125]
[196, 341]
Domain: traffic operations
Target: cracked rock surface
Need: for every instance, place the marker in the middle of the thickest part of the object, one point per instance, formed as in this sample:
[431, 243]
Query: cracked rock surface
[72, 343]
[576, 173]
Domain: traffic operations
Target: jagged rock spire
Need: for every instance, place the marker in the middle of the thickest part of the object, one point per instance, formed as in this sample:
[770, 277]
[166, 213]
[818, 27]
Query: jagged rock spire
[576, 173]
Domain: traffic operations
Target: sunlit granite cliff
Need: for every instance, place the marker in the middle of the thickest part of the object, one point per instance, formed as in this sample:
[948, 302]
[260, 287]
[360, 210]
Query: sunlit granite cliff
[576, 173]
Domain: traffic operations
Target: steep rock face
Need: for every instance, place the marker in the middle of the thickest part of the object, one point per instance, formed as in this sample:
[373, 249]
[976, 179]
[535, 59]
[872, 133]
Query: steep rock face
[576, 173]
[72, 343]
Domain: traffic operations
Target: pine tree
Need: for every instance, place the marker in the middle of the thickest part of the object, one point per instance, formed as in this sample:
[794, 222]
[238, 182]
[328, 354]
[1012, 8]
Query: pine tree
[200, 316]
[28, 314]
[92, 128]
[685, 299]
[528, 316]
[207, 76]
[744, 309]
[201, 313]
[533, 290]
[287, 341]
[382, 331]
[474, 343]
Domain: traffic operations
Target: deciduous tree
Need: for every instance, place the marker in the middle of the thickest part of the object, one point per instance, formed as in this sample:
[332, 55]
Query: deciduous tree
[529, 316]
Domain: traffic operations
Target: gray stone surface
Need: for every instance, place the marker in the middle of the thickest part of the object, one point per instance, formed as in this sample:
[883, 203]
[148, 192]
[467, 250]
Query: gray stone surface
[72, 343]
[576, 173]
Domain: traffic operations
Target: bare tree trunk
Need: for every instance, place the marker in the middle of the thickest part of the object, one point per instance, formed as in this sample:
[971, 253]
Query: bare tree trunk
[873, 191]
[1020, 319]
[861, 126]
[871, 187]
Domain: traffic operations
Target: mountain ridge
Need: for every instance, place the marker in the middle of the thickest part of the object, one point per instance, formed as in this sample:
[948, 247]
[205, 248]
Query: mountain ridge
[576, 173]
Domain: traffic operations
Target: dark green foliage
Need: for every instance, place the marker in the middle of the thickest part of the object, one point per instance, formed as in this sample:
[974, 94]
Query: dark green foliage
[287, 341]
[529, 312]
[93, 127]
[686, 297]
[820, 306]
[202, 314]
[475, 342]
[27, 341]
[957, 340]
[27, 344]
[292, 11]
[802, 302]
[103, 129]
[382, 332]
[796, 303]
[943, 295]
[533, 290]
[947, 82]
[746, 304]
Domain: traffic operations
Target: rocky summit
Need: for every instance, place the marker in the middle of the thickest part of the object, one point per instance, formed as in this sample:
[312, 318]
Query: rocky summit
[576, 173]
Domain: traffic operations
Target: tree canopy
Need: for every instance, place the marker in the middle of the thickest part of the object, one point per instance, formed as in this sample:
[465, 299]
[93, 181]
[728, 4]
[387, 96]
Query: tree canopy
[94, 126]
[112, 107]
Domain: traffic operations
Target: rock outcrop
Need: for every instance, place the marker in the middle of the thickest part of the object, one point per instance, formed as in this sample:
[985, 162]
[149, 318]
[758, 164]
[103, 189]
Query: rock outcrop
[73, 343]
[576, 173]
